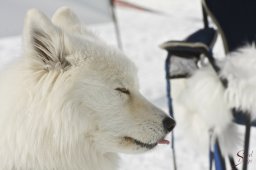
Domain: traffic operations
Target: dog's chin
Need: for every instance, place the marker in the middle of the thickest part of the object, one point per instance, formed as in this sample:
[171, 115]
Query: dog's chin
[132, 146]
[138, 143]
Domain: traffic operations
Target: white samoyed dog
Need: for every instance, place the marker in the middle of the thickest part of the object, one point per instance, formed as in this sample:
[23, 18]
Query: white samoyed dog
[72, 102]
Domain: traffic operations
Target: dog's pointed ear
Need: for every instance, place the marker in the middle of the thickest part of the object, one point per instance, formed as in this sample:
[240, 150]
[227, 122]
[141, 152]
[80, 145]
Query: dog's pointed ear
[67, 20]
[43, 41]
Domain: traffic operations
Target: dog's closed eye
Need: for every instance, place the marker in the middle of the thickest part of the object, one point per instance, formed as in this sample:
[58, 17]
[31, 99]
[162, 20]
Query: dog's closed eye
[123, 90]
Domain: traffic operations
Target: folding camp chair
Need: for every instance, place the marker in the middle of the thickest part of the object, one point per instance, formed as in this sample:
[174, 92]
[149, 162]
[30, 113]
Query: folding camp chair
[187, 54]
[234, 21]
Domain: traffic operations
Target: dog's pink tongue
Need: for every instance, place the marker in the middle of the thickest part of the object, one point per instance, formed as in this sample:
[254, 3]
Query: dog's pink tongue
[163, 141]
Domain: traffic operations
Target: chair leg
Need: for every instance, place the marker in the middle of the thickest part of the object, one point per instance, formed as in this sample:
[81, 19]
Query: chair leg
[211, 158]
[170, 108]
[247, 141]
[168, 84]
[219, 160]
[211, 154]
[232, 163]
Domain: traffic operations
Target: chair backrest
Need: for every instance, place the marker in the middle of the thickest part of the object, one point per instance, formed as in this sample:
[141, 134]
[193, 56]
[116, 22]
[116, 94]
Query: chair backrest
[235, 19]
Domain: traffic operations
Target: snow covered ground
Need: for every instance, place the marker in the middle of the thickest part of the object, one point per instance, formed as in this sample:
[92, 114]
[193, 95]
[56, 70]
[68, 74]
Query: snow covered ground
[141, 33]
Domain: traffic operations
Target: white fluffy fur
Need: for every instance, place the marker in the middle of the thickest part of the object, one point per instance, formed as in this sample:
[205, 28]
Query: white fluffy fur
[204, 106]
[240, 70]
[207, 104]
[58, 105]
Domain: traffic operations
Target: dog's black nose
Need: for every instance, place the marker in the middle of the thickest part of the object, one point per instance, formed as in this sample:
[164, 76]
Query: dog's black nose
[168, 124]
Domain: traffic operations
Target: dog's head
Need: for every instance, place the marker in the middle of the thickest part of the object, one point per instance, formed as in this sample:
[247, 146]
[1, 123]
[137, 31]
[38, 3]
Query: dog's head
[99, 88]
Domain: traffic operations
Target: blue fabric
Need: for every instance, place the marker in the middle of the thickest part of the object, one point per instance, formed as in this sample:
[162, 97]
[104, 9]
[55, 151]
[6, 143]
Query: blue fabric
[240, 118]
[236, 19]
[219, 163]
[205, 36]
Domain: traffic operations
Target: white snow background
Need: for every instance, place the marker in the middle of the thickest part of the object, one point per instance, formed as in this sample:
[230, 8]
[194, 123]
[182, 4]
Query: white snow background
[141, 34]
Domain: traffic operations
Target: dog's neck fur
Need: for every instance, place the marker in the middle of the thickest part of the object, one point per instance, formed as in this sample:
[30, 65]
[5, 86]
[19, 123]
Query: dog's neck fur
[96, 160]
[91, 160]
[107, 161]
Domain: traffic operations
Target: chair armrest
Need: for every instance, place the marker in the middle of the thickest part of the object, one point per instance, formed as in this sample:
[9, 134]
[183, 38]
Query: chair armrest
[200, 42]
[184, 55]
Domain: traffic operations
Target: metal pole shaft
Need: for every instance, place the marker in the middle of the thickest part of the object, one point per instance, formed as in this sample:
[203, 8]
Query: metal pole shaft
[170, 108]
